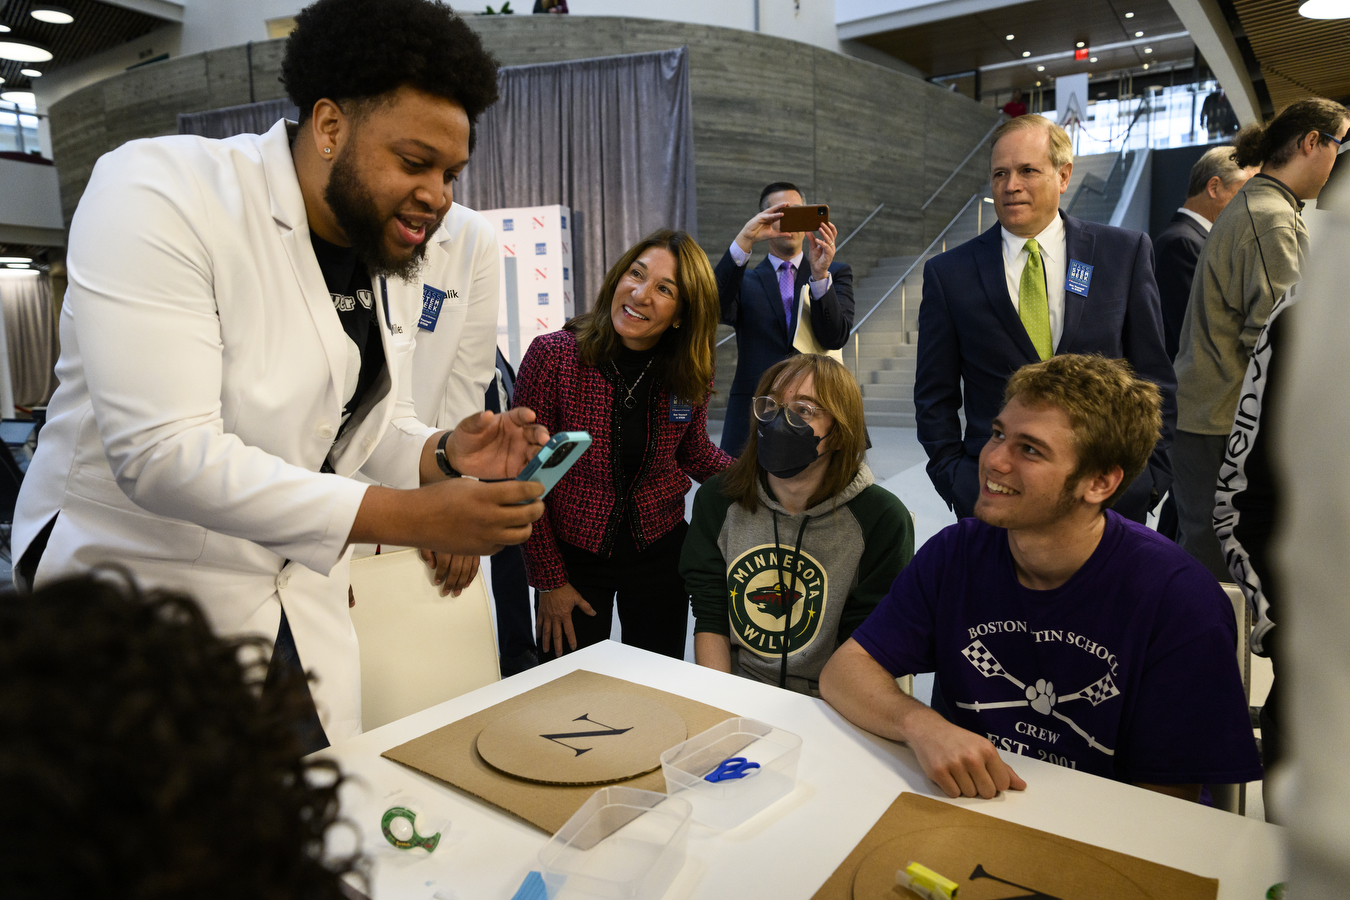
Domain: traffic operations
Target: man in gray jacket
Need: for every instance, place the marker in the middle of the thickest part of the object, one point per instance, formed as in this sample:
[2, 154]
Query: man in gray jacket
[1254, 254]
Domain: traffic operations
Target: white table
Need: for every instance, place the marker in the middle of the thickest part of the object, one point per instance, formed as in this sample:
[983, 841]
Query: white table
[846, 779]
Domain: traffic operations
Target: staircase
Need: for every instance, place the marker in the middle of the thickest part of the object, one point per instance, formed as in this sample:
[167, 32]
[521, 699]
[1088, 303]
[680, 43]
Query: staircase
[887, 342]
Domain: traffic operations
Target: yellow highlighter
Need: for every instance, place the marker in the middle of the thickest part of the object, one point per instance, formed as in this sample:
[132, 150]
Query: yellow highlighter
[926, 883]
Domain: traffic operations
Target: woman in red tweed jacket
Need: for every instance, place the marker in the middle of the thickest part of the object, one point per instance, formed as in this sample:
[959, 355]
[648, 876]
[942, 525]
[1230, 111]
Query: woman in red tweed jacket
[635, 372]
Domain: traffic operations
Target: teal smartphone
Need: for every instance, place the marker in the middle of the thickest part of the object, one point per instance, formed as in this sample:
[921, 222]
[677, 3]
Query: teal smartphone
[555, 458]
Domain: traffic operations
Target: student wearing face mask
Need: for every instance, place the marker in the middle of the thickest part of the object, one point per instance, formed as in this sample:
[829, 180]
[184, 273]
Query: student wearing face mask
[797, 523]
[635, 372]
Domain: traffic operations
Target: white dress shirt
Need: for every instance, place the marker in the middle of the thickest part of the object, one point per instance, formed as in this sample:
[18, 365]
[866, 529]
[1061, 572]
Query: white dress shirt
[1055, 260]
[818, 288]
[1204, 223]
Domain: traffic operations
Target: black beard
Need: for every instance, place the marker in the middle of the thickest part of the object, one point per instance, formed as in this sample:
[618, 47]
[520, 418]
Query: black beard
[357, 216]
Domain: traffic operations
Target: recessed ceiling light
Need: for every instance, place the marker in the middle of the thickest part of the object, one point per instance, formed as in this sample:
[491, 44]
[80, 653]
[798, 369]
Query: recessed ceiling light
[1146, 65]
[1093, 59]
[1026, 53]
[1148, 49]
[23, 51]
[1080, 45]
[1038, 84]
[31, 73]
[1325, 9]
[16, 259]
[1010, 37]
[52, 15]
[4, 28]
[1040, 68]
[1138, 34]
[988, 199]
[1129, 15]
[23, 99]
[16, 265]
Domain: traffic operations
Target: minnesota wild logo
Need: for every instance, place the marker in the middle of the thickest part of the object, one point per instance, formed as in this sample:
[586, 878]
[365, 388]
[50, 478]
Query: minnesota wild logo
[759, 600]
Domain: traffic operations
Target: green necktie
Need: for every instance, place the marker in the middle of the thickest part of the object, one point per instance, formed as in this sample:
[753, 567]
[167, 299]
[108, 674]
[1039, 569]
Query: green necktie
[1032, 304]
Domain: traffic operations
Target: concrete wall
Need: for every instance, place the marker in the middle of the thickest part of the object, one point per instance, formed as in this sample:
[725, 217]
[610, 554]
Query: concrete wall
[851, 133]
[28, 204]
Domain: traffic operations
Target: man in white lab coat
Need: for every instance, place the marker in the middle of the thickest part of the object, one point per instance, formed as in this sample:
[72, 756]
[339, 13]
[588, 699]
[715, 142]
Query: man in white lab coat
[237, 342]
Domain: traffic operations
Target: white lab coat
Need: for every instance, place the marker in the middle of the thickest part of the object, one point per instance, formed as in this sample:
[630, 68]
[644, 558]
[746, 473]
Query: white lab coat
[201, 375]
[452, 373]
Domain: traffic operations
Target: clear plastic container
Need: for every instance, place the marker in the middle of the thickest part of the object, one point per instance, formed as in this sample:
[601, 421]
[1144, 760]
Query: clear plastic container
[726, 804]
[623, 844]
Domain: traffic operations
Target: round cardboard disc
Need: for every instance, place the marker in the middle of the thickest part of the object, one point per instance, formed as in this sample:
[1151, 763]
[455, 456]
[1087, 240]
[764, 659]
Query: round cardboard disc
[589, 738]
[992, 864]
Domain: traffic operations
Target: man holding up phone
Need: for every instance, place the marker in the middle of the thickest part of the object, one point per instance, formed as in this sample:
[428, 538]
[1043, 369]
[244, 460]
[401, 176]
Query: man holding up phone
[762, 305]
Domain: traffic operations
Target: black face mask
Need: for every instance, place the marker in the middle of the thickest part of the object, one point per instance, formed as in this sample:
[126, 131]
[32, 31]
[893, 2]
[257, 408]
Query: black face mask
[786, 450]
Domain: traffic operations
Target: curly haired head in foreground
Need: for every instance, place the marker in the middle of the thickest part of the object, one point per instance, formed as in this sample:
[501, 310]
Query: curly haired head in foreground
[139, 757]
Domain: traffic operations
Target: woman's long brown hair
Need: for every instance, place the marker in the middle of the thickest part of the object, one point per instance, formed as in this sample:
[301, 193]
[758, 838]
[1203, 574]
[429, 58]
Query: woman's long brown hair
[684, 360]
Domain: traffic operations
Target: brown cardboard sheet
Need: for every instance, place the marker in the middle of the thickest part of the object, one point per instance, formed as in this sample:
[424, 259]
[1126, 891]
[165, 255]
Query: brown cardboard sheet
[992, 859]
[450, 753]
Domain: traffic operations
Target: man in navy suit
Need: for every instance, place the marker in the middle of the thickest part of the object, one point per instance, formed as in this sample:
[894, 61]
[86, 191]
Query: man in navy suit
[1000, 301]
[763, 305]
[1215, 179]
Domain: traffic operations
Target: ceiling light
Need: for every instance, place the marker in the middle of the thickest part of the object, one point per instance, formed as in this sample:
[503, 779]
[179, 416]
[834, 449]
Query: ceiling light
[1148, 49]
[52, 15]
[1093, 59]
[1138, 34]
[1038, 84]
[1145, 66]
[1026, 53]
[1040, 68]
[16, 259]
[1325, 9]
[1010, 37]
[16, 265]
[988, 199]
[4, 28]
[1129, 15]
[23, 99]
[31, 73]
[23, 51]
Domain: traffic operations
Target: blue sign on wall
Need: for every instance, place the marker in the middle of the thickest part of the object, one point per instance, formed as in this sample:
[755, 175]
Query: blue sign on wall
[508, 224]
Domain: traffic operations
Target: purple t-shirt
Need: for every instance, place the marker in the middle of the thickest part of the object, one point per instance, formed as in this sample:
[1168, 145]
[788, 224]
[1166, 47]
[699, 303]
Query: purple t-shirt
[1128, 670]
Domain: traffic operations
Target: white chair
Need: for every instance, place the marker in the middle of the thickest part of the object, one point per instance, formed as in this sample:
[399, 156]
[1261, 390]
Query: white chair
[417, 647]
[1233, 797]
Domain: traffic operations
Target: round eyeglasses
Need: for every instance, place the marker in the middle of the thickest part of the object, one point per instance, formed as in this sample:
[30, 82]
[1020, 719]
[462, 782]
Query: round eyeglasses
[799, 412]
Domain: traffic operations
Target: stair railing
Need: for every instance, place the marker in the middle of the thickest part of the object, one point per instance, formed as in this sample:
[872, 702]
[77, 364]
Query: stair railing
[962, 165]
[941, 239]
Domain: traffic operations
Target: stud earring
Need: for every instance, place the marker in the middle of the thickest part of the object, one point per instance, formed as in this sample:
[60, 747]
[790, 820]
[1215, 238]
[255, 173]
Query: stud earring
[327, 149]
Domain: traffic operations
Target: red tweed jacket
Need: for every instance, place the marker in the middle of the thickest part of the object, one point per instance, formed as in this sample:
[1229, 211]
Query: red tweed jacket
[584, 508]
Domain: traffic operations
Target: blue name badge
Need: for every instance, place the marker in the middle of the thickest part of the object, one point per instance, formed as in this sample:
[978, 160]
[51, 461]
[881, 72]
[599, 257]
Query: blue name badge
[431, 307]
[1079, 278]
[680, 411]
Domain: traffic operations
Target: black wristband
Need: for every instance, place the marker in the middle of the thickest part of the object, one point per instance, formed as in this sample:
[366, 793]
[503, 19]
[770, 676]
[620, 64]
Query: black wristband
[440, 457]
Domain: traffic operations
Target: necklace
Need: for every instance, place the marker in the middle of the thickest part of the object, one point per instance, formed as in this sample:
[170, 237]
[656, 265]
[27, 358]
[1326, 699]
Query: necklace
[628, 401]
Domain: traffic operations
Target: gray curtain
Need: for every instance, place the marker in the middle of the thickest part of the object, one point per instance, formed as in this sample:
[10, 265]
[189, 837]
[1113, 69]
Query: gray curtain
[612, 138]
[251, 118]
[30, 338]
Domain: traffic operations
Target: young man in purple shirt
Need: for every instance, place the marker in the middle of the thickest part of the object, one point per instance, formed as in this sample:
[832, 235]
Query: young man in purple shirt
[1059, 630]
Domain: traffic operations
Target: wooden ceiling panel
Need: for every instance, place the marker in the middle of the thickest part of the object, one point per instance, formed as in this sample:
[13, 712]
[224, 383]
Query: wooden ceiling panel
[1299, 57]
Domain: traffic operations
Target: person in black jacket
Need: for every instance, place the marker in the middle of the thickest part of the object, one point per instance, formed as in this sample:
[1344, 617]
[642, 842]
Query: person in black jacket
[763, 304]
[1215, 179]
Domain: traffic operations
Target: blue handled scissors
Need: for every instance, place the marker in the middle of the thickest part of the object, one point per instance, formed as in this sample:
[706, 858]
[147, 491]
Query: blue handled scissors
[731, 769]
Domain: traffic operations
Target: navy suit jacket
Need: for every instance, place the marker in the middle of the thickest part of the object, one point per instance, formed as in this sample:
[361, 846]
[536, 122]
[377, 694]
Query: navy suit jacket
[1178, 250]
[753, 305]
[970, 333]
